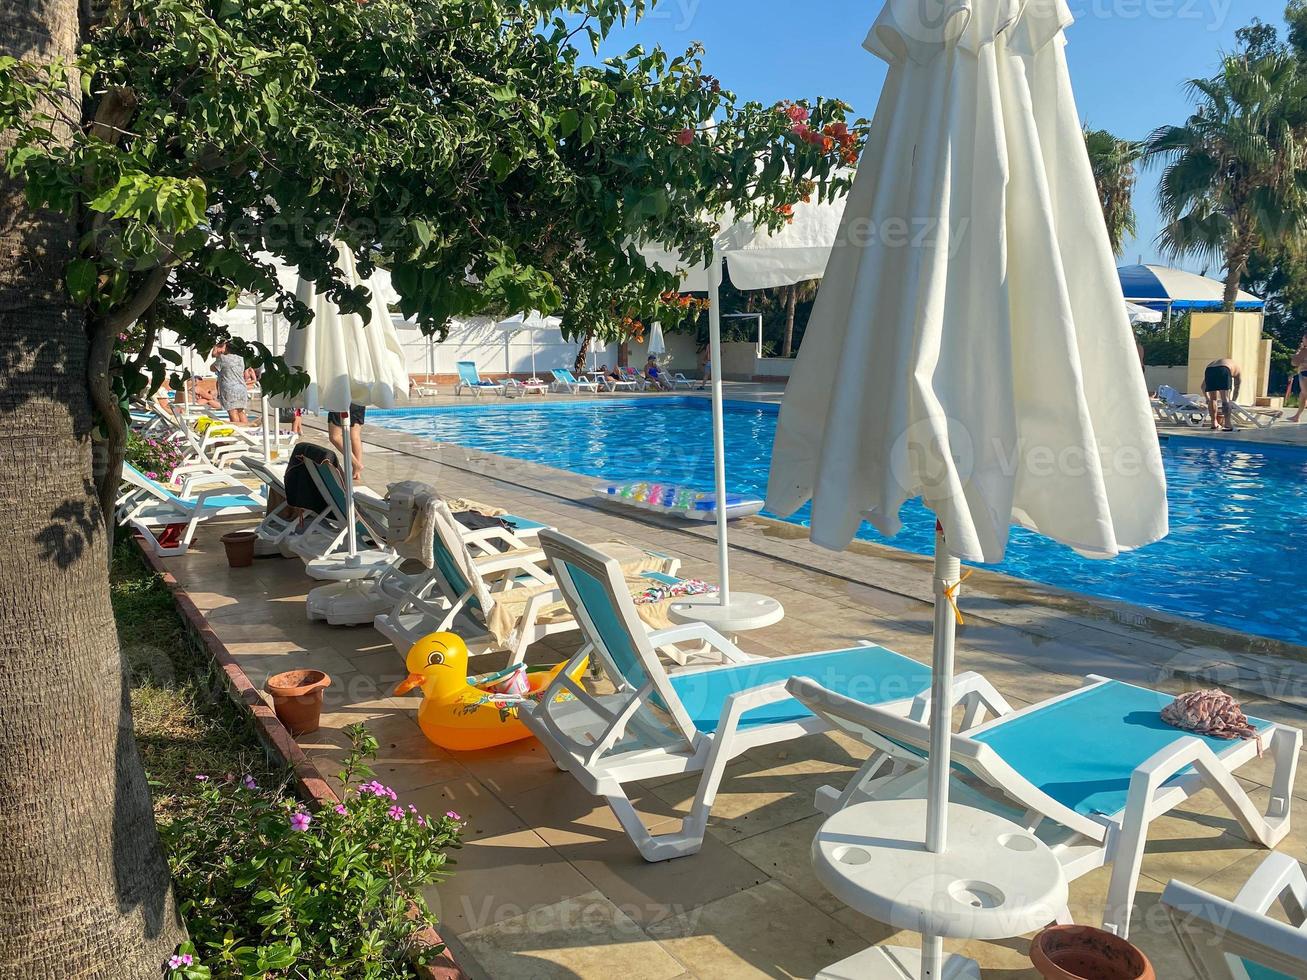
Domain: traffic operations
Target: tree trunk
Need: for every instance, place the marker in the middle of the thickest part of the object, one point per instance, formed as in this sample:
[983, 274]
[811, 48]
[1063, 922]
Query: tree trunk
[582, 353]
[791, 308]
[1236, 266]
[85, 886]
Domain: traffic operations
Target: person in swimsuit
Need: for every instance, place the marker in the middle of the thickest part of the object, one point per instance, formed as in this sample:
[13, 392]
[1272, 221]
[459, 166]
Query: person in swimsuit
[1221, 383]
[654, 373]
[233, 389]
[1299, 362]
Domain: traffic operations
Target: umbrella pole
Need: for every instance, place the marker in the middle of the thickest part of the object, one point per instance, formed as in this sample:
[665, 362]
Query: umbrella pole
[350, 520]
[718, 426]
[263, 395]
[947, 573]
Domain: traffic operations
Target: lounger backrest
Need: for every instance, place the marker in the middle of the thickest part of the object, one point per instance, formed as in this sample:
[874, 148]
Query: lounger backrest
[153, 487]
[595, 590]
[454, 561]
[1226, 940]
[326, 476]
[468, 374]
[908, 739]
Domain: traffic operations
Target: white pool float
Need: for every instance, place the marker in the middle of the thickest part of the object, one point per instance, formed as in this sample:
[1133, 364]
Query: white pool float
[678, 501]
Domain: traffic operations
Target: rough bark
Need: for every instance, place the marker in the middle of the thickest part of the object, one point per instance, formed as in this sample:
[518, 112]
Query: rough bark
[1236, 266]
[582, 353]
[85, 887]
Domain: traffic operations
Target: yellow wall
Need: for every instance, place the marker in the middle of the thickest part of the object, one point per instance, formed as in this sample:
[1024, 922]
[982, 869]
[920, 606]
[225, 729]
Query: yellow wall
[1237, 336]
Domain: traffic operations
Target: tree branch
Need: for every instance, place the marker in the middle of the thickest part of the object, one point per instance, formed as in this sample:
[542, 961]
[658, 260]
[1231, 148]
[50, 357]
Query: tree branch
[136, 306]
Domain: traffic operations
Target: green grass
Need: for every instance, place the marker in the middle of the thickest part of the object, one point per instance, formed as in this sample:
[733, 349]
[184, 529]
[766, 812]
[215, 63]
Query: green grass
[185, 721]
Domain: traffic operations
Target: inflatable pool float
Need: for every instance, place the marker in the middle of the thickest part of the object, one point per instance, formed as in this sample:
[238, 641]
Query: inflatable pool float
[463, 713]
[677, 501]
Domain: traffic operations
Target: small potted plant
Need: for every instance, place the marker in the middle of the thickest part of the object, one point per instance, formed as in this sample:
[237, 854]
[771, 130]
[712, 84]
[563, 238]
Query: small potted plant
[297, 698]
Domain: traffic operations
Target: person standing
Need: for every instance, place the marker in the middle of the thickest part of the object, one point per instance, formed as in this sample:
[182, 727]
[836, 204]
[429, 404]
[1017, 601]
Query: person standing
[336, 431]
[1299, 364]
[1221, 383]
[233, 383]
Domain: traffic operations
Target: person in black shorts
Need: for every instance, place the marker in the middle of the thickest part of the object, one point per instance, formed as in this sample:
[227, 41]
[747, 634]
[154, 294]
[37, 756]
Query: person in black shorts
[1221, 383]
[335, 429]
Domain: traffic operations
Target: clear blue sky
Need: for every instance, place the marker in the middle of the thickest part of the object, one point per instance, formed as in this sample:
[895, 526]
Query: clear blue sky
[1129, 59]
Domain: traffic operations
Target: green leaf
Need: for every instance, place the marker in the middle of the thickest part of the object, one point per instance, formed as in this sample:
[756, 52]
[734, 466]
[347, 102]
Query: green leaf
[81, 278]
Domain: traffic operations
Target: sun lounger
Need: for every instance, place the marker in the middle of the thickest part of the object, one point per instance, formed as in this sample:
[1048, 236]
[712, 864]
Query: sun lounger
[564, 380]
[469, 379]
[619, 384]
[662, 722]
[325, 535]
[515, 388]
[638, 380]
[677, 380]
[1090, 771]
[1181, 409]
[1238, 940]
[147, 505]
[464, 588]
[1261, 418]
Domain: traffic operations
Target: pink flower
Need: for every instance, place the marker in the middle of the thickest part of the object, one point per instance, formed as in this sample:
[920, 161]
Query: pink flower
[451, 815]
[377, 789]
[685, 137]
[179, 961]
[249, 783]
[340, 808]
[797, 113]
[395, 813]
[300, 820]
[199, 778]
[801, 130]
[421, 822]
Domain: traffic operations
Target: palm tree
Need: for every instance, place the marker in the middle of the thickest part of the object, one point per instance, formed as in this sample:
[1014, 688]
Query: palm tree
[1234, 178]
[790, 298]
[1113, 162]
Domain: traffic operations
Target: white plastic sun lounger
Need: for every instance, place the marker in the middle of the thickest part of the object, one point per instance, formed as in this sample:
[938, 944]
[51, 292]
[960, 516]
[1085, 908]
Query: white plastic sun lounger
[663, 722]
[564, 380]
[513, 388]
[1239, 940]
[325, 534]
[1261, 418]
[1181, 409]
[469, 379]
[1090, 770]
[463, 588]
[147, 504]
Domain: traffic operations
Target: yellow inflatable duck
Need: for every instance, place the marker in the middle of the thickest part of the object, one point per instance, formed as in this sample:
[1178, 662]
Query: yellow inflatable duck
[463, 713]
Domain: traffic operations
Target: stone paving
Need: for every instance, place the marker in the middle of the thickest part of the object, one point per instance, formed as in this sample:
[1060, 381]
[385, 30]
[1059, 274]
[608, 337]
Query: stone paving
[547, 886]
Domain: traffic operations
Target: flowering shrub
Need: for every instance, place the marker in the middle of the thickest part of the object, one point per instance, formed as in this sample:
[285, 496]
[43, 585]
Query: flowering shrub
[269, 889]
[156, 458]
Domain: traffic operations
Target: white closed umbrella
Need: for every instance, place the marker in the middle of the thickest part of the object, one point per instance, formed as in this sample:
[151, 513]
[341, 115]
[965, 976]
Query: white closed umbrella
[1142, 314]
[979, 357]
[349, 362]
[758, 259]
[657, 345]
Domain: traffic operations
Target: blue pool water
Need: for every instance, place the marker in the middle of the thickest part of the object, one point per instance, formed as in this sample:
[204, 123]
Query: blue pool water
[1238, 517]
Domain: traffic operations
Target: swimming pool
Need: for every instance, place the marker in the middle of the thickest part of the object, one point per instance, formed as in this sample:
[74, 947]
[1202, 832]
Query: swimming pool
[1238, 515]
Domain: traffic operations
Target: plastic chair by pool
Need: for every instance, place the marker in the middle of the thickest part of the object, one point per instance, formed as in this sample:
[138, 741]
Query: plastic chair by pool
[663, 722]
[1098, 764]
[564, 380]
[469, 379]
[1239, 940]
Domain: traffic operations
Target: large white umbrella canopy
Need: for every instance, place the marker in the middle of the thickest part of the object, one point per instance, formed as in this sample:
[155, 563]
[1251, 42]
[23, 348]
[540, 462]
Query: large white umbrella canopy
[970, 344]
[758, 259]
[348, 361]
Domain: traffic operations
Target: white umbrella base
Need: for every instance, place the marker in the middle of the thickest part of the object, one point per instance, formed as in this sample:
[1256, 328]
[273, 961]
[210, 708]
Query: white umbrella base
[896, 963]
[742, 611]
[341, 568]
[352, 603]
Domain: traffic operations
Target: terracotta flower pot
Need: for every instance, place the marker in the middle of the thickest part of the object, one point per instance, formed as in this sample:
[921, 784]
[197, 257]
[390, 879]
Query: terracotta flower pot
[1086, 953]
[297, 699]
[240, 548]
